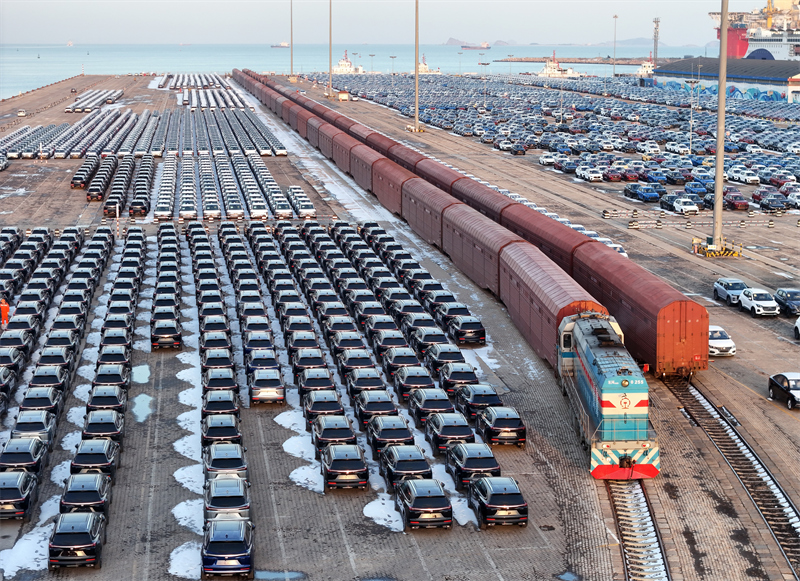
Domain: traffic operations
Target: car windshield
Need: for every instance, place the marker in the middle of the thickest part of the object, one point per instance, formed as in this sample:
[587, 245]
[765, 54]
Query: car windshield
[14, 458]
[412, 465]
[337, 433]
[508, 423]
[736, 286]
[794, 384]
[395, 434]
[347, 465]
[81, 496]
[718, 335]
[405, 359]
[71, 539]
[321, 382]
[226, 548]
[463, 376]
[10, 494]
[90, 459]
[481, 463]
[326, 406]
[428, 502]
[762, 297]
[438, 404]
[507, 499]
[226, 463]
[793, 295]
[223, 431]
[229, 501]
[456, 431]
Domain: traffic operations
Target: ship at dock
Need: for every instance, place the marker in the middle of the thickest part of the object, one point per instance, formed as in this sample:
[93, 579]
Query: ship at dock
[769, 33]
[554, 70]
[281, 45]
[481, 46]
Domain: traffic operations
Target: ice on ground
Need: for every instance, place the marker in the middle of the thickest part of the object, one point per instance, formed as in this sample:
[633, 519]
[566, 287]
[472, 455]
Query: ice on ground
[11, 417]
[188, 446]
[142, 345]
[184, 561]
[29, 553]
[309, 477]
[91, 354]
[93, 338]
[292, 420]
[71, 440]
[142, 407]
[140, 374]
[82, 391]
[478, 357]
[87, 371]
[191, 477]
[192, 397]
[189, 513]
[299, 447]
[76, 415]
[142, 331]
[144, 316]
[60, 472]
[99, 315]
[49, 509]
[383, 512]
[461, 510]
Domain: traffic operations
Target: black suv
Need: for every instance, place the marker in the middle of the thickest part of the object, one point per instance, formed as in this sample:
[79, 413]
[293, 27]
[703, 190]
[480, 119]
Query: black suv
[86, 493]
[466, 329]
[77, 539]
[498, 501]
[24, 454]
[343, 466]
[443, 430]
[501, 425]
[385, 431]
[411, 378]
[371, 403]
[422, 503]
[18, 492]
[96, 456]
[399, 463]
[471, 399]
[327, 430]
[427, 401]
[465, 462]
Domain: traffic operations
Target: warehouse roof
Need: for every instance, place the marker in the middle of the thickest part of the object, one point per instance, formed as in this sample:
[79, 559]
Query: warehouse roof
[737, 68]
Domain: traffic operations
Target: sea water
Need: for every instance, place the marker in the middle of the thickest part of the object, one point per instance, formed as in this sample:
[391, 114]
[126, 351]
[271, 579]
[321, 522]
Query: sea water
[30, 66]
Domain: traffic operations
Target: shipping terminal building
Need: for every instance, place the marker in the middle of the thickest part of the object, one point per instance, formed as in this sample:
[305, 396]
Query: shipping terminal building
[748, 78]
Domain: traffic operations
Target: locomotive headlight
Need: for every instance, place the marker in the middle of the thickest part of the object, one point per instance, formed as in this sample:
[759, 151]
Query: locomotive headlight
[646, 445]
[625, 383]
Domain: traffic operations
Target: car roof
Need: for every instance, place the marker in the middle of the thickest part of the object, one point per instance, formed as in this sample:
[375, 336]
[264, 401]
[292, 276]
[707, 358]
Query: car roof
[503, 412]
[93, 446]
[85, 481]
[11, 479]
[477, 450]
[426, 487]
[501, 484]
[19, 445]
[338, 421]
[227, 486]
[340, 451]
[227, 530]
[79, 522]
[391, 421]
[221, 420]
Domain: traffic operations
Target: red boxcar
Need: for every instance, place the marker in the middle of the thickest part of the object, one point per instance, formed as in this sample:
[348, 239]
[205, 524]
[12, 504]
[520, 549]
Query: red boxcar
[326, 134]
[405, 156]
[360, 132]
[293, 112]
[303, 117]
[473, 242]
[662, 327]
[313, 130]
[277, 104]
[342, 144]
[331, 116]
[538, 295]
[344, 123]
[440, 176]
[380, 143]
[362, 158]
[286, 106]
[319, 110]
[387, 184]
[423, 205]
[557, 241]
[481, 198]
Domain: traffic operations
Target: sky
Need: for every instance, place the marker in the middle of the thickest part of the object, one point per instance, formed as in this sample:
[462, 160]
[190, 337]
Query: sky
[683, 22]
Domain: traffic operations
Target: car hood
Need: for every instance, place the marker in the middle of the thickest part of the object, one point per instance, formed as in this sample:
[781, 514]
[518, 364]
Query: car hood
[717, 343]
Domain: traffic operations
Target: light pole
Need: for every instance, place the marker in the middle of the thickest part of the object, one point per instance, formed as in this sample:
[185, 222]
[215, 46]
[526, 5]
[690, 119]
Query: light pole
[393, 57]
[511, 56]
[416, 66]
[691, 83]
[459, 63]
[291, 38]
[485, 76]
[330, 49]
[614, 62]
[721, 94]
[371, 63]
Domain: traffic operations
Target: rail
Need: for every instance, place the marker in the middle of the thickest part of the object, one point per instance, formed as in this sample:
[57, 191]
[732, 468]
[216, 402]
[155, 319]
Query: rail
[642, 548]
[774, 505]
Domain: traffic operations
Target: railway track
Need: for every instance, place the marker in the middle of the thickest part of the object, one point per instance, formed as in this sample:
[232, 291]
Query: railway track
[642, 549]
[776, 508]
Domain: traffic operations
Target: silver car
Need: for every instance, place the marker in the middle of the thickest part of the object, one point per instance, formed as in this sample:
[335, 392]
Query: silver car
[224, 459]
[226, 497]
[36, 424]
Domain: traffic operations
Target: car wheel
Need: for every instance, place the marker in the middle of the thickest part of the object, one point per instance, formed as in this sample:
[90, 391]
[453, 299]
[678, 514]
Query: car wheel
[716, 295]
[251, 574]
[753, 312]
[771, 393]
[203, 574]
[790, 402]
[741, 307]
[728, 300]
[797, 334]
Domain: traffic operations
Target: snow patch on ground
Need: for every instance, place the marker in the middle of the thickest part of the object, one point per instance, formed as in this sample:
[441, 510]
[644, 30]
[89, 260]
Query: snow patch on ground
[189, 513]
[76, 415]
[60, 472]
[140, 374]
[87, 371]
[191, 477]
[143, 345]
[184, 561]
[49, 509]
[309, 477]
[188, 446]
[383, 512]
[29, 552]
[461, 510]
[299, 447]
[71, 440]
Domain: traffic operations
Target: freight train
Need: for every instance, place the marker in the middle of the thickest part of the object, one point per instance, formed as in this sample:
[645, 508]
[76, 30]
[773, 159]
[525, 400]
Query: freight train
[665, 329]
[539, 295]
[609, 396]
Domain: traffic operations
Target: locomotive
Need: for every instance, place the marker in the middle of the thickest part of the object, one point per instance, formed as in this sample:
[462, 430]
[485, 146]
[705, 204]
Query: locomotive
[609, 396]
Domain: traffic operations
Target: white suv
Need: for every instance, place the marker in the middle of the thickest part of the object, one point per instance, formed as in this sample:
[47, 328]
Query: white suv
[757, 301]
[685, 206]
[720, 343]
[797, 329]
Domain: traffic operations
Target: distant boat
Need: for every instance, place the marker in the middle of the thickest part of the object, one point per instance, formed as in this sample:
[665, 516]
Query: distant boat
[281, 45]
[38, 57]
[69, 43]
[481, 46]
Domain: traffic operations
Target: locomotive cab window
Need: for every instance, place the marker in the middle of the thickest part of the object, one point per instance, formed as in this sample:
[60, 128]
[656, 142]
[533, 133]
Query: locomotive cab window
[566, 341]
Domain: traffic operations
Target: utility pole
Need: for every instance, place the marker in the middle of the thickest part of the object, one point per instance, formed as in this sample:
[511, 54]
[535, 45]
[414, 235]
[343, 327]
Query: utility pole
[691, 83]
[656, 26]
[371, 63]
[416, 66]
[721, 93]
[330, 49]
[614, 62]
[393, 57]
[291, 38]
[511, 56]
[459, 63]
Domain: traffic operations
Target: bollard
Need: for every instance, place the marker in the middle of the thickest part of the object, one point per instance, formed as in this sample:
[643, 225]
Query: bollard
[778, 213]
[771, 223]
[635, 213]
[663, 214]
[688, 224]
[798, 223]
[633, 225]
[659, 225]
[606, 214]
[751, 213]
[742, 224]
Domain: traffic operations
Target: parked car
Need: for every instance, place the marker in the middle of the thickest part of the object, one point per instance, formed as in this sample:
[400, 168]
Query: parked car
[720, 343]
[758, 302]
[728, 290]
[785, 386]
